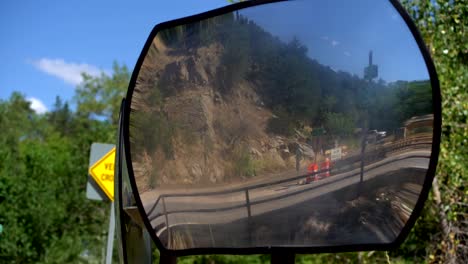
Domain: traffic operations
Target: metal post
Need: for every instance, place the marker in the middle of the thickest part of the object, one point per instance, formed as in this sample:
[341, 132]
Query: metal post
[147, 242]
[211, 236]
[248, 202]
[163, 257]
[167, 221]
[363, 151]
[138, 244]
[249, 216]
[110, 235]
[365, 128]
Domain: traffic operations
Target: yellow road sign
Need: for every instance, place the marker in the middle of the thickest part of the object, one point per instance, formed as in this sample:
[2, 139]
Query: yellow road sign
[103, 173]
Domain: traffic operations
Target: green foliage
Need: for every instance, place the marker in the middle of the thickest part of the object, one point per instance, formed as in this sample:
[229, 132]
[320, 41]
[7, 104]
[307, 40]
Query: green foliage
[339, 124]
[243, 164]
[43, 172]
[415, 99]
[158, 135]
[288, 78]
[100, 97]
[61, 117]
[443, 25]
[225, 259]
[235, 60]
[44, 211]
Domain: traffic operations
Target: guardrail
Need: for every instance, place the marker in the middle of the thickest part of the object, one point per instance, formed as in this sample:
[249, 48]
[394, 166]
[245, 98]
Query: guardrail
[246, 189]
[410, 142]
[352, 161]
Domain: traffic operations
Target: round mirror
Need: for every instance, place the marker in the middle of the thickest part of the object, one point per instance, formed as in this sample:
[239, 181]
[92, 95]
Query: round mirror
[299, 124]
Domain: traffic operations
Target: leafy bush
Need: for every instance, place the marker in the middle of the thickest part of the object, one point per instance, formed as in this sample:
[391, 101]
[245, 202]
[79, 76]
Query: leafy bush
[243, 164]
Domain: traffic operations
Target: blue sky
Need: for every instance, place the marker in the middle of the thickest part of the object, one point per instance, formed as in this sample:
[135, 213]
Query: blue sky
[340, 34]
[47, 44]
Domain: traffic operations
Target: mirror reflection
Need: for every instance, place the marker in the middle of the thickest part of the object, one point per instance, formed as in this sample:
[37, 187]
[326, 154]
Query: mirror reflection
[303, 123]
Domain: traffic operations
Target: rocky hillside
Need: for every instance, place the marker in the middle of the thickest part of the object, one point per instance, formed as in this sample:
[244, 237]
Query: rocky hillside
[202, 134]
[224, 100]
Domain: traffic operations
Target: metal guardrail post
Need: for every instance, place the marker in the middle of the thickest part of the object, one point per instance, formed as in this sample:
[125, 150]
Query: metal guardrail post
[138, 244]
[167, 221]
[247, 198]
[363, 153]
[249, 214]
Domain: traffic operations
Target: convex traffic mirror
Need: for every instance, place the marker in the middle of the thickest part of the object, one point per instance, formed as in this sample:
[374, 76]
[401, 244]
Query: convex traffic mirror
[311, 126]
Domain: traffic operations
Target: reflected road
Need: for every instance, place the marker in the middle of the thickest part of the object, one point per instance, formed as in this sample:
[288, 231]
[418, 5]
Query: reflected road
[273, 197]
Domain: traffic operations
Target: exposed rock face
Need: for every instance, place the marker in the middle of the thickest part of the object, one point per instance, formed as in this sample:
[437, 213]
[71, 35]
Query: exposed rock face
[183, 75]
[196, 71]
[191, 112]
[256, 153]
[196, 172]
[214, 137]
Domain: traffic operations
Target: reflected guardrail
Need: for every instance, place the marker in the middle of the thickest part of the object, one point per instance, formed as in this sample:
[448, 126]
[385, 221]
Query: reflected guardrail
[246, 189]
[352, 161]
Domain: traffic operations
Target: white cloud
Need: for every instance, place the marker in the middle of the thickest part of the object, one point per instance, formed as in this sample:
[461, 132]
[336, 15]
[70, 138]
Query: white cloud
[332, 42]
[69, 72]
[37, 105]
[347, 53]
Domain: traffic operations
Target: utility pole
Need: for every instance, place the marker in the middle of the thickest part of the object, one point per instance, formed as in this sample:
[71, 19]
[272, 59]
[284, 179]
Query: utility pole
[372, 70]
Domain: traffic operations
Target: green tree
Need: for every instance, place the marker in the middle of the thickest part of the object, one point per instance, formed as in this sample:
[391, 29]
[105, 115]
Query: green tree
[443, 26]
[414, 99]
[60, 117]
[235, 59]
[43, 210]
[43, 172]
[339, 124]
[100, 97]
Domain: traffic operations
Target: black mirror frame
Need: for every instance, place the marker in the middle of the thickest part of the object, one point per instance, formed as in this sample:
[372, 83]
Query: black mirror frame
[120, 223]
[286, 250]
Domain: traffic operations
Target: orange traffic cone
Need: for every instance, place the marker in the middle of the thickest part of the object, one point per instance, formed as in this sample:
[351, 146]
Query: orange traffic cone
[313, 168]
[326, 166]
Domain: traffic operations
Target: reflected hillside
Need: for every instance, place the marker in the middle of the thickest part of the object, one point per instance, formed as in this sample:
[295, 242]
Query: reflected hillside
[223, 101]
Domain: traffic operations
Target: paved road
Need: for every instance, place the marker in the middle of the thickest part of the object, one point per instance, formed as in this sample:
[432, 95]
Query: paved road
[272, 197]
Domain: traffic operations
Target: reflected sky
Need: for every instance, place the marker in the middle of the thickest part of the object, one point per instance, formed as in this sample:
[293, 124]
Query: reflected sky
[340, 33]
